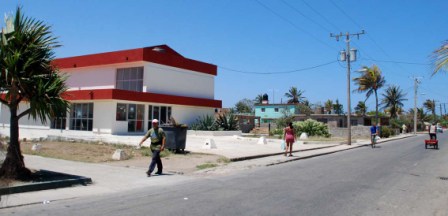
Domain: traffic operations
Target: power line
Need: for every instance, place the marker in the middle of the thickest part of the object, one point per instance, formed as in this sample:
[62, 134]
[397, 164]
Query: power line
[277, 72]
[397, 62]
[298, 11]
[323, 17]
[359, 26]
[294, 25]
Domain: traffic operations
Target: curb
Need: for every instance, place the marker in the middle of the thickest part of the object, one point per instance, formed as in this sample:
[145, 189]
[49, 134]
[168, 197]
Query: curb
[274, 154]
[331, 152]
[69, 181]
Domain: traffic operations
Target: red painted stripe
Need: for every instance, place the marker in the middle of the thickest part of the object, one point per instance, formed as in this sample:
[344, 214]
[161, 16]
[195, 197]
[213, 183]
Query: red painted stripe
[117, 94]
[167, 57]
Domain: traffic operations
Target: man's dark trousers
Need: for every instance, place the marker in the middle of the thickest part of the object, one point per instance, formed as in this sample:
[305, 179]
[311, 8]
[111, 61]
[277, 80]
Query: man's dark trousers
[156, 160]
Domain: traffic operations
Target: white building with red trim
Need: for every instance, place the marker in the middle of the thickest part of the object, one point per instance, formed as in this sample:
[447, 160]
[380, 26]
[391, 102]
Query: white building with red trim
[120, 92]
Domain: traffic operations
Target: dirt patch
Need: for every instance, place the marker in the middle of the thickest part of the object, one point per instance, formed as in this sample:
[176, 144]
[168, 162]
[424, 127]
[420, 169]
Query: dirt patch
[183, 163]
[174, 163]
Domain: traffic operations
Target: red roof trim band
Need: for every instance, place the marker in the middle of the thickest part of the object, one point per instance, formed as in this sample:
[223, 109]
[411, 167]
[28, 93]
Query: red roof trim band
[162, 54]
[117, 94]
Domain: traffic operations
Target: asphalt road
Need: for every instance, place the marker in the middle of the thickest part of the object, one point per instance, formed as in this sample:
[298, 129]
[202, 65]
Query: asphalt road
[396, 178]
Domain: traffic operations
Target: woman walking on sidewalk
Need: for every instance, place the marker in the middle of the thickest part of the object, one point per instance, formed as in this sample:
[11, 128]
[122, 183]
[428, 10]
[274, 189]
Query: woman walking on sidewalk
[289, 137]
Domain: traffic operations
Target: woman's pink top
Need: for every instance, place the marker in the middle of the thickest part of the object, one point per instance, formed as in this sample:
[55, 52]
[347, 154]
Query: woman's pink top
[289, 135]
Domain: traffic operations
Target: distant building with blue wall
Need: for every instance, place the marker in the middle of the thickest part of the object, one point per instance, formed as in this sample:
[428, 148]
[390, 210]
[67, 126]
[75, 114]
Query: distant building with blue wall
[270, 112]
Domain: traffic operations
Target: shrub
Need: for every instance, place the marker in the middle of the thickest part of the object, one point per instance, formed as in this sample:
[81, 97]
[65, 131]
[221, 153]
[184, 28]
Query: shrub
[227, 122]
[206, 166]
[283, 121]
[205, 123]
[385, 132]
[312, 128]
[278, 131]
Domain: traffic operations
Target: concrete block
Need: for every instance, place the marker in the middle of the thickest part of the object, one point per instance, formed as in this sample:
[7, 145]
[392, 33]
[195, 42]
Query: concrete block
[36, 147]
[119, 154]
[303, 136]
[262, 141]
[209, 144]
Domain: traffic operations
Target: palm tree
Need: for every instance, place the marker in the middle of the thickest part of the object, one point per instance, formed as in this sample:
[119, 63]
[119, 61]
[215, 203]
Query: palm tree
[370, 81]
[328, 106]
[393, 100]
[440, 58]
[295, 96]
[259, 99]
[361, 108]
[27, 77]
[430, 105]
[338, 108]
[421, 116]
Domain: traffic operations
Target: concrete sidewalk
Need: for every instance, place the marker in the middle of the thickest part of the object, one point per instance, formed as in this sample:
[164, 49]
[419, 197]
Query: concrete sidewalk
[110, 179]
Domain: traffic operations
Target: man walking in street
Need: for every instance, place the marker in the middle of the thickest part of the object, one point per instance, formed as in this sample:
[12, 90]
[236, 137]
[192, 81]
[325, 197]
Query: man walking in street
[373, 134]
[157, 136]
[432, 131]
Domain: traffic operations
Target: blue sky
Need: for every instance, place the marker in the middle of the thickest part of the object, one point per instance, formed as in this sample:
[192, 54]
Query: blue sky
[264, 36]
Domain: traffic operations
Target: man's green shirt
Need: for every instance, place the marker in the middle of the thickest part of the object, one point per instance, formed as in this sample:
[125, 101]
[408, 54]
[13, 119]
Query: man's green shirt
[156, 138]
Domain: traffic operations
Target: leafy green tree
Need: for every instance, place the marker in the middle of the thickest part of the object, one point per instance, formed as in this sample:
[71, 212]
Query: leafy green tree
[27, 76]
[440, 58]
[393, 100]
[369, 81]
[361, 108]
[286, 118]
[328, 106]
[295, 96]
[338, 108]
[244, 106]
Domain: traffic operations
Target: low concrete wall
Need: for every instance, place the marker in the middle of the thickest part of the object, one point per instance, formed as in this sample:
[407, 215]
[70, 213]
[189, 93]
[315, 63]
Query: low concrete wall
[214, 133]
[357, 131]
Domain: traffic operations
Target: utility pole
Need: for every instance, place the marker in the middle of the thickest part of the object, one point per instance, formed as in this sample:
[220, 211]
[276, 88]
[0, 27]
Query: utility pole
[416, 82]
[434, 109]
[349, 55]
[444, 108]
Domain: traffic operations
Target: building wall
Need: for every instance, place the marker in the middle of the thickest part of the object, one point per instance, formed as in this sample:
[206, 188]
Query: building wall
[104, 119]
[357, 131]
[25, 121]
[175, 81]
[270, 113]
[188, 114]
[94, 77]
[157, 79]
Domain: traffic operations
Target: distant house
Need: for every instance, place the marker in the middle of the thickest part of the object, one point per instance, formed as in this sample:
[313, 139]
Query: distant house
[268, 113]
[121, 92]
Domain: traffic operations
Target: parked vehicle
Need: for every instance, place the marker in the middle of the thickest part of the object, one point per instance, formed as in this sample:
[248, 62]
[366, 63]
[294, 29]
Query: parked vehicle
[439, 129]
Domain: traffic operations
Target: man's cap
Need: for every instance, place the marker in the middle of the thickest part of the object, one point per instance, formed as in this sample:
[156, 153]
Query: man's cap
[155, 121]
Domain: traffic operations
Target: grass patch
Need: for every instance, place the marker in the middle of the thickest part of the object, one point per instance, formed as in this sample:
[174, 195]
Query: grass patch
[223, 160]
[145, 151]
[206, 166]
